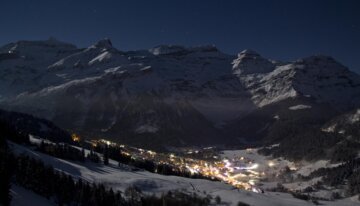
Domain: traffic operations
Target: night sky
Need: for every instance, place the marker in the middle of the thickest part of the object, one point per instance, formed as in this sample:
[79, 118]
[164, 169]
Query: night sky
[277, 29]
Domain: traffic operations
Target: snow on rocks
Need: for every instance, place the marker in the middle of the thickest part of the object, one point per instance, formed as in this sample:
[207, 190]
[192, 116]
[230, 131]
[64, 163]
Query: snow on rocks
[146, 129]
[300, 107]
[250, 62]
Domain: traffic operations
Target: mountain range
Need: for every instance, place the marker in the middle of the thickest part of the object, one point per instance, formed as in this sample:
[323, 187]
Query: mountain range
[171, 96]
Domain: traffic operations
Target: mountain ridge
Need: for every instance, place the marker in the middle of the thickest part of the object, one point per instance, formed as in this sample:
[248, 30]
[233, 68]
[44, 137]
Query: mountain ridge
[158, 92]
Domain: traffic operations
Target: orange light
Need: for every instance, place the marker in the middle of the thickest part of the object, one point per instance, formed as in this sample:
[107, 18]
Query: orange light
[75, 137]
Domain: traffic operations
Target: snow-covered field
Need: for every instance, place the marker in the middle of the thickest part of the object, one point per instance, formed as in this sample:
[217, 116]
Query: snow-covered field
[272, 166]
[120, 178]
[265, 164]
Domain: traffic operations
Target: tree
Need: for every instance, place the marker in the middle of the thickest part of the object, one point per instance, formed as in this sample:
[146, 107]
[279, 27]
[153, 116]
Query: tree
[106, 155]
[218, 199]
[242, 204]
[42, 146]
[134, 194]
[82, 154]
[6, 171]
[5, 177]
[92, 156]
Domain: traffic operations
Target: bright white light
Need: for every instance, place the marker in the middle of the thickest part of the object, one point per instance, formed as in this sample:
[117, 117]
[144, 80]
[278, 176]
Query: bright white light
[252, 182]
[255, 190]
[254, 166]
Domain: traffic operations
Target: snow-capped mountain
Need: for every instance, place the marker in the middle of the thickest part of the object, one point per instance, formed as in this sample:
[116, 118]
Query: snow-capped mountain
[317, 77]
[23, 64]
[307, 91]
[172, 94]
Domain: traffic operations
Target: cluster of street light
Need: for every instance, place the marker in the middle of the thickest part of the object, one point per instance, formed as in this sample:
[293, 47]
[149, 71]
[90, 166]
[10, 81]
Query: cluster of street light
[239, 172]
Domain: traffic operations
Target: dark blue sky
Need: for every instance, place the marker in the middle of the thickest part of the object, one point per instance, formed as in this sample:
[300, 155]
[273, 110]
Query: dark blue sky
[278, 29]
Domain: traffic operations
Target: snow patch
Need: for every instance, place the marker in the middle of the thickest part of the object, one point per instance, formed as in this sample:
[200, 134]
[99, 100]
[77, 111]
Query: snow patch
[330, 128]
[250, 62]
[300, 107]
[37, 141]
[355, 117]
[101, 58]
[146, 129]
[309, 167]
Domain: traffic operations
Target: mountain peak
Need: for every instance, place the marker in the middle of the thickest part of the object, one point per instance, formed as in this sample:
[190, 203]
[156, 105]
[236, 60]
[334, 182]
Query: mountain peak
[250, 62]
[321, 62]
[204, 48]
[317, 59]
[52, 40]
[176, 49]
[103, 43]
[167, 49]
[249, 52]
[41, 49]
[39, 43]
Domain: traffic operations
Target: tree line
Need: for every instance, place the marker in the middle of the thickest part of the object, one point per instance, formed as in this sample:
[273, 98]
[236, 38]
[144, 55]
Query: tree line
[116, 154]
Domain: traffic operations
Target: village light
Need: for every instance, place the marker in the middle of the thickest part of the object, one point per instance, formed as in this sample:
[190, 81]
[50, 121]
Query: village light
[271, 164]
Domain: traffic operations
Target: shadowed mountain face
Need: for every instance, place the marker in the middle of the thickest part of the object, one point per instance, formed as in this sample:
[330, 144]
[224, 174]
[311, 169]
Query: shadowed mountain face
[172, 95]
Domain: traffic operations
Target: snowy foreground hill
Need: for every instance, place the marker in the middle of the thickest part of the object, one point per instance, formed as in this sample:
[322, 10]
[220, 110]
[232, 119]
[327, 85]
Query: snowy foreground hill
[173, 95]
[119, 178]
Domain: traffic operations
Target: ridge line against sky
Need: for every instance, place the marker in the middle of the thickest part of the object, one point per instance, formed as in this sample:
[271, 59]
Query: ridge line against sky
[278, 29]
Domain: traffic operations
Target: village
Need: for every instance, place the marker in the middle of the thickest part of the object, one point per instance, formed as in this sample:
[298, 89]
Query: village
[240, 172]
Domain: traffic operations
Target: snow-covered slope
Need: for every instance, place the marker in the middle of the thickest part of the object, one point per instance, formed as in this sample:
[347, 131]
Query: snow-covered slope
[168, 92]
[119, 178]
[346, 125]
[90, 61]
[22, 197]
[114, 105]
[23, 64]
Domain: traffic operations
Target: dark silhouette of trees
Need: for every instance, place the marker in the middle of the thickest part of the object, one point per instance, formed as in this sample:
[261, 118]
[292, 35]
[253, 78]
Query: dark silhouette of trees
[25, 124]
[6, 170]
[106, 155]
[63, 151]
[92, 156]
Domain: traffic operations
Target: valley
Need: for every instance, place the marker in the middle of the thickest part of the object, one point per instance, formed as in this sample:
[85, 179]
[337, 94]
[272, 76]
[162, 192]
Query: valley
[193, 120]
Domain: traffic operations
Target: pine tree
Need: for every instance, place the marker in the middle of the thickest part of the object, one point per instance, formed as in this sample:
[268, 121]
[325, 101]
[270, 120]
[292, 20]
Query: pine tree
[82, 154]
[106, 156]
[42, 146]
[5, 177]
[6, 170]
[218, 200]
